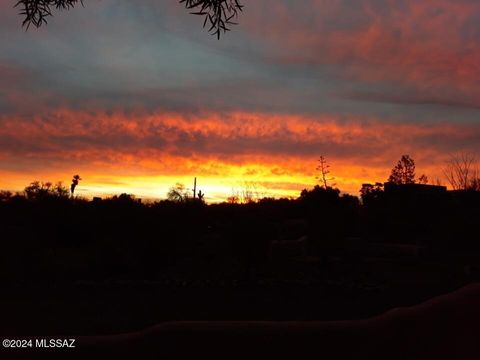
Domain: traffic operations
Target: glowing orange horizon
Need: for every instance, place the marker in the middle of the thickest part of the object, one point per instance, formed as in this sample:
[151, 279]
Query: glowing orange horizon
[146, 154]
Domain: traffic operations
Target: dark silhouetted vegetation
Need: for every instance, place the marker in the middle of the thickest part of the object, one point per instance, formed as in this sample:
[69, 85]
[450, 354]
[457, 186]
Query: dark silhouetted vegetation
[324, 169]
[461, 172]
[75, 180]
[404, 171]
[323, 255]
[219, 14]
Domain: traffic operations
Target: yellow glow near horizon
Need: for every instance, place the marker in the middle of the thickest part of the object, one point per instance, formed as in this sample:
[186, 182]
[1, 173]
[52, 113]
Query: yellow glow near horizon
[256, 178]
[215, 188]
[226, 152]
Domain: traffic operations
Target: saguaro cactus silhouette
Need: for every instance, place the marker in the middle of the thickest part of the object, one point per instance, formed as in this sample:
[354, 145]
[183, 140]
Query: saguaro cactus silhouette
[194, 187]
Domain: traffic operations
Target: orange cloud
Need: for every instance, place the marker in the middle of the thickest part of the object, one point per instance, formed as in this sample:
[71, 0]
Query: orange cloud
[147, 153]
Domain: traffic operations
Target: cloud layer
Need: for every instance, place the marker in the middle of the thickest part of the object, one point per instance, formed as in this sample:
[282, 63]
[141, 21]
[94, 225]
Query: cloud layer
[134, 94]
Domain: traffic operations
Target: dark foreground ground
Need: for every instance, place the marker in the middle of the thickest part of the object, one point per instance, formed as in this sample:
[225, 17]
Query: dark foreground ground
[446, 327]
[288, 309]
[318, 274]
[336, 292]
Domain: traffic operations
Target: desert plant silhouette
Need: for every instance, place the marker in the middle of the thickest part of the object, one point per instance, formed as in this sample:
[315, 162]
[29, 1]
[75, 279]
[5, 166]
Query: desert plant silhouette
[75, 180]
[324, 169]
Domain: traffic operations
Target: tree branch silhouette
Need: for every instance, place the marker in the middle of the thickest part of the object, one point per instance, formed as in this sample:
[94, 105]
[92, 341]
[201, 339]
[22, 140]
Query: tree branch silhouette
[461, 172]
[219, 14]
[36, 12]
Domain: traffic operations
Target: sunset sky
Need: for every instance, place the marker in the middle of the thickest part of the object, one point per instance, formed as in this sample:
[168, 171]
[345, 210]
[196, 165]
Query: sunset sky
[135, 96]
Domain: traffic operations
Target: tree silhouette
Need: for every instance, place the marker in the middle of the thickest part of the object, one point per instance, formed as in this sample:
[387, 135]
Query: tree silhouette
[423, 179]
[178, 193]
[370, 192]
[461, 173]
[5, 195]
[404, 171]
[219, 14]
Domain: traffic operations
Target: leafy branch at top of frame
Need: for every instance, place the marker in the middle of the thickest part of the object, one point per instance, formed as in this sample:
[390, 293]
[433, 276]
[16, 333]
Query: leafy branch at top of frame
[36, 12]
[219, 15]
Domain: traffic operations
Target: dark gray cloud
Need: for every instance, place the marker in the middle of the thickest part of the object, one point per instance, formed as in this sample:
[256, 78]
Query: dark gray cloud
[412, 99]
[116, 55]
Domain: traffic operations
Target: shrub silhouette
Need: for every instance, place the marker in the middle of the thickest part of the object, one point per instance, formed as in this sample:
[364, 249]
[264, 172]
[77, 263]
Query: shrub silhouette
[179, 193]
[43, 190]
